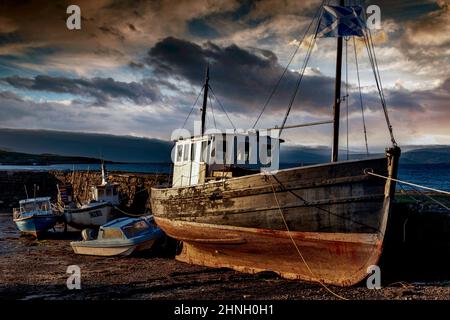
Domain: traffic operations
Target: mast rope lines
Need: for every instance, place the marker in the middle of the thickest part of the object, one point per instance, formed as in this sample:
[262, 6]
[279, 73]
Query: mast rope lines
[369, 171]
[315, 278]
[374, 63]
[192, 109]
[318, 13]
[367, 37]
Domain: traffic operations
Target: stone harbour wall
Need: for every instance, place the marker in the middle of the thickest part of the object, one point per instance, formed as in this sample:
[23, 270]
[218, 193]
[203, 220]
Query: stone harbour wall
[134, 188]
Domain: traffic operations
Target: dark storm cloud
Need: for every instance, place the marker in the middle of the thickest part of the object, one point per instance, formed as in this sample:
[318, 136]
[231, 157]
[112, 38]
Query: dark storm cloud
[242, 77]
[101, 89]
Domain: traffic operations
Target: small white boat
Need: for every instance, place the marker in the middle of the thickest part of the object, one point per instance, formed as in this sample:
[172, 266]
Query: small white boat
[120, 237]
[99, 210]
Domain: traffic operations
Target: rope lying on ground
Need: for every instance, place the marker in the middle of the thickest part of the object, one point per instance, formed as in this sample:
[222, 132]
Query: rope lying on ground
[297, 248]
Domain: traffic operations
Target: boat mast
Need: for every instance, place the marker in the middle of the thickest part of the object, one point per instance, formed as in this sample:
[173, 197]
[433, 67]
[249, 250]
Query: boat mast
[337, 97]
[205, 99]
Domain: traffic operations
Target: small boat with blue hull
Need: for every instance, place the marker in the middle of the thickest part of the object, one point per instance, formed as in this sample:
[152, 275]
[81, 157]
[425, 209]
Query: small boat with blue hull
[35, 216]
[120, 237]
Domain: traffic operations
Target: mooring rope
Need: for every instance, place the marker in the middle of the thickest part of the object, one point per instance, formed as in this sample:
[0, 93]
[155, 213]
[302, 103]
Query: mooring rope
[128, 214]
[315, 278]
[414, 185]
[368, 171]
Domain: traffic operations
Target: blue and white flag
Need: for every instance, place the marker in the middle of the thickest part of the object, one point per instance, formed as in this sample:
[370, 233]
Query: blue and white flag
[340, 21]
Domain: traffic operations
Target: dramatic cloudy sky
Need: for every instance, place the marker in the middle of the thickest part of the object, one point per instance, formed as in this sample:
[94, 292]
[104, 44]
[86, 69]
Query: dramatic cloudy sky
[136, 67]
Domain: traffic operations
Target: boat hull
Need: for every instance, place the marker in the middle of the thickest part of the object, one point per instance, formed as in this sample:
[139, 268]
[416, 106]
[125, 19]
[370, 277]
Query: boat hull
[36, 225]
[110, 250]
[91, 217]
[334, 213]
[254, 250]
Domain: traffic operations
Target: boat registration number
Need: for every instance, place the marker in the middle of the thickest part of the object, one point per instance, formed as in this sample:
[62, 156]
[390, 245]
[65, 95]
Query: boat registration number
[96, 213]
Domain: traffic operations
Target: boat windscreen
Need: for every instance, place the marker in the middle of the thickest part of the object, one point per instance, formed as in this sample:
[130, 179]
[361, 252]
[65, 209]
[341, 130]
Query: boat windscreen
[32, 206]
[135, 229]
[108, 233]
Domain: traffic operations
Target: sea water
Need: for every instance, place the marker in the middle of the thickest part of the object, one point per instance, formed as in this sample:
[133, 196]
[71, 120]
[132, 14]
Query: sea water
[431, 175]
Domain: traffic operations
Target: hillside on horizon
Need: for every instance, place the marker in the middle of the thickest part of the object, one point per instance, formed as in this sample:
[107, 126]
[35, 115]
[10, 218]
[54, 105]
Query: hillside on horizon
[67, 145]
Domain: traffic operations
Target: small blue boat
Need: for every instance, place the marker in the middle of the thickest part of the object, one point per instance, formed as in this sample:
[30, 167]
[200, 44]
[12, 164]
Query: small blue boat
[120, 237]
[35, 216]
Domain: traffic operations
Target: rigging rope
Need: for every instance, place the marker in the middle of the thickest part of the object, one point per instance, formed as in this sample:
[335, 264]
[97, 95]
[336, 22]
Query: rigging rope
[220, 104]
[301, 74]
[212, 111]
[287, 66]
[360, 97]
[193, 106]
[371, 52]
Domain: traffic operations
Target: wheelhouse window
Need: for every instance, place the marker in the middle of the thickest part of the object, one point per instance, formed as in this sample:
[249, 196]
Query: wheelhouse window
[193, 150]
[269, 147]
[135, 229]
[179, 153]
[186, 152]
[111, 234]
[204, 153]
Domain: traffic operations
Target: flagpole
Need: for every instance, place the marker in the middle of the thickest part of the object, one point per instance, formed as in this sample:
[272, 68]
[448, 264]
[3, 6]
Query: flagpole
[337, 96]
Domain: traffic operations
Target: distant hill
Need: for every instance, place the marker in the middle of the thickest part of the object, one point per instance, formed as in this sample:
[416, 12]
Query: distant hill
[43, 145]
[18, 158]
[429, 155]
[75, 144]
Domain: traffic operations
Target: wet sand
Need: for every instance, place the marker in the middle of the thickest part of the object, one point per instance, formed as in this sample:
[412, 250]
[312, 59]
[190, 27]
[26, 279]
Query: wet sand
[36, 269]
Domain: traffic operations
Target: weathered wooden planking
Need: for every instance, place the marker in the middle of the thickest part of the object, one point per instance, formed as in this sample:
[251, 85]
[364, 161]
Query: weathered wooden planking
[344, 201]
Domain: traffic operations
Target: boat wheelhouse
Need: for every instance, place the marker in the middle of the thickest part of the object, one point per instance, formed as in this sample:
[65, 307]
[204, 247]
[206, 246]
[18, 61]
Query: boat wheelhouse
[216, 156]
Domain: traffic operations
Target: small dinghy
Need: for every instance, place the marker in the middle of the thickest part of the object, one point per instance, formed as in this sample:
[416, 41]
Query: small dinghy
[120, 237]
[35, 216]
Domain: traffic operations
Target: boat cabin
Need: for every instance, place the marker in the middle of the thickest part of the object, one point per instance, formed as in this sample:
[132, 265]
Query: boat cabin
[106, 191]
[218, 156]
[40, 205]
[126, 228]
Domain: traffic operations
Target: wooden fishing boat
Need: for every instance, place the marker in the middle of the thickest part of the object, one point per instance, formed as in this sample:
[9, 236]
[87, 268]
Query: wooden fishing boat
[99, 210]
[324, 222]
[121, 237]
[35, 216]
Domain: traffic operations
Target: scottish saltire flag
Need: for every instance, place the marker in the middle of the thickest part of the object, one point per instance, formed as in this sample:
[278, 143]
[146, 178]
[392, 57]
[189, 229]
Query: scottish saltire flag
[340, 21]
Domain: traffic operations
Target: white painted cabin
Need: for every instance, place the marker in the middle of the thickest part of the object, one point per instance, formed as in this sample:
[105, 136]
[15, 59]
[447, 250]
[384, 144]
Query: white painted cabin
[217, 156]
[106, 191]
